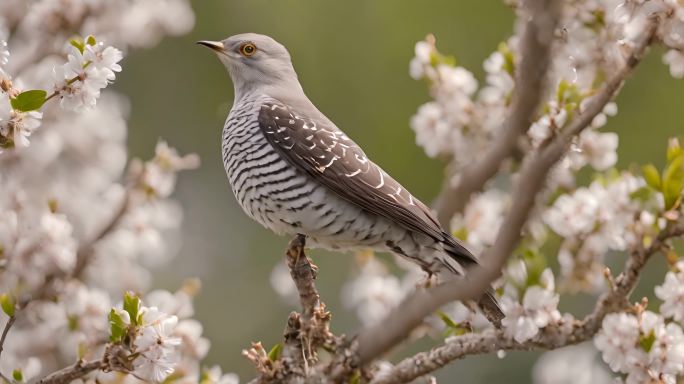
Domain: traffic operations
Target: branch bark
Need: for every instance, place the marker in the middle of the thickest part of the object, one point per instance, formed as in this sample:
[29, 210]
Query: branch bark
[5, 331]
[527, 95]
[86, 251]
[305, 332]
[76, 371]
[410, 313]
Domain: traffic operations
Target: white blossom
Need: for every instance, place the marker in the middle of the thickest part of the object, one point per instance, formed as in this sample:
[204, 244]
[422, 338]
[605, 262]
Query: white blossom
[617, 341]
[157, 347]
[537, 308]
[158, 176]
[433, 133]
[4, 54]
[373, 293]
[675, 60]
[482, 218]
[671, 292]
[81, 79]
[215, 375]
[643, 347]
[599, 149]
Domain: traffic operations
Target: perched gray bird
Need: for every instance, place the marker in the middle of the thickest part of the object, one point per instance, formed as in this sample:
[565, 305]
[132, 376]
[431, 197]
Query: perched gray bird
[293, 171]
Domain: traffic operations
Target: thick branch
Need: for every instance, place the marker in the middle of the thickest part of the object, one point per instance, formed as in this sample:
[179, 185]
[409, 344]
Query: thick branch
[76, 371]
[527, 95]
[411, 312]
[552, 337]
[305, 333]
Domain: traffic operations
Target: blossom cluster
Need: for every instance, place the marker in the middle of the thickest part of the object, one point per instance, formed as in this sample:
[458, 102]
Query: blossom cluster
[642, 346]
[78, 226]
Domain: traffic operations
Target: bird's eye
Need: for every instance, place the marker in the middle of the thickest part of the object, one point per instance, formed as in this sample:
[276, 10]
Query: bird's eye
[247, 49]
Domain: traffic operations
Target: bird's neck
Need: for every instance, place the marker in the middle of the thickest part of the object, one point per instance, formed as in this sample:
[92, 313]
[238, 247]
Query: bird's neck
[280, 91]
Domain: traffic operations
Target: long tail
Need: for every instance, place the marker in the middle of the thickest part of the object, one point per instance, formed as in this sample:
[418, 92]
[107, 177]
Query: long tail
[490, 308]
[487, 303]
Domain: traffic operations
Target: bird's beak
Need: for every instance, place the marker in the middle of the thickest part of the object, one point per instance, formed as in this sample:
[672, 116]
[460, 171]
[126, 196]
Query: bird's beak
[214, 45]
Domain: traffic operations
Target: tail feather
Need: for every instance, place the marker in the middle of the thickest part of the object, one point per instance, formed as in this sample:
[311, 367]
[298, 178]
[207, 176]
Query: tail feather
[487, 303]
[490, 308]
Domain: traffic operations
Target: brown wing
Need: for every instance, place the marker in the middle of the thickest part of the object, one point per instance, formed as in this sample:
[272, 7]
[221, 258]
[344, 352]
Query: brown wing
[324, 152]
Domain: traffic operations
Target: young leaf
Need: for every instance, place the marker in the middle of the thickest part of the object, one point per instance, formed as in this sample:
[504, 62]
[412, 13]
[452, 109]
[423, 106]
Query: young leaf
[17, 375]
[673, 181]
[652, 176]
[646, 342]
[80, 45]
[674, 149]
[642, 194]
[447, 320]
[118, 326]
[274, 353]
[131, 304]
[29, 100]
[8, 304]
[356, 377]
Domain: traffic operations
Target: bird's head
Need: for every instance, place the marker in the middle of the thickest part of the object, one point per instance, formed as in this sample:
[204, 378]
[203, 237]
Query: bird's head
[254, 61]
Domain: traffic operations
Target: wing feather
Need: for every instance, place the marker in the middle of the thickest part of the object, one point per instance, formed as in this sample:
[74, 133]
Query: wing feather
[325, 153]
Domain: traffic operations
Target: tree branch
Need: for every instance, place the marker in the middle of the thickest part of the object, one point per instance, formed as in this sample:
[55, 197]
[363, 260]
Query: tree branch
[76, 371]
[410, 313]
[86, 251]
[5, 331]
[527, 95]
[552, 337]
[304, 333]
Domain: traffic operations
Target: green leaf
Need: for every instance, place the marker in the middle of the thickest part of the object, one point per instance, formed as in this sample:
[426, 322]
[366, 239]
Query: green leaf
[274, 353]
[509, 60]
[535, 263]
[17, 375]
[131, 304]
[673, 181]
[72, 322]
[452, 328]
[568, 93]
[646, 342]
[652, 176]
[8, 304]
[29, 100]
[356, 378]
[90, 40]
[461, 233]
[447, 320]
[118, 326]
[79, 44]
[674, 149]
[642, 194]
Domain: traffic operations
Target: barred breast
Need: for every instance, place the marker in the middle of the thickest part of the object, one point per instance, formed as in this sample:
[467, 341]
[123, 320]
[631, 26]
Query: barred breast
[284, 199]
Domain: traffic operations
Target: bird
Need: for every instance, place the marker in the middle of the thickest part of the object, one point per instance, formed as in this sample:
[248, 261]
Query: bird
[295, 172]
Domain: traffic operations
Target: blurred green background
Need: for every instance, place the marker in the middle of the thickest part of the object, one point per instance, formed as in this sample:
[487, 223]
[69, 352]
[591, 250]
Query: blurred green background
[352, 58]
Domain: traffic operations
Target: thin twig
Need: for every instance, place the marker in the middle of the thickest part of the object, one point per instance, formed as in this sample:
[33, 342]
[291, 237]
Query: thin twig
[85, 252]
[5, 331]
[410, 313]
[527, 95]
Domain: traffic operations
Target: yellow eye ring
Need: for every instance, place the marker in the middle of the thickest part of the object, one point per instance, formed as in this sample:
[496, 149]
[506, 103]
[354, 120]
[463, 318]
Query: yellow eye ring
[248, 49]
